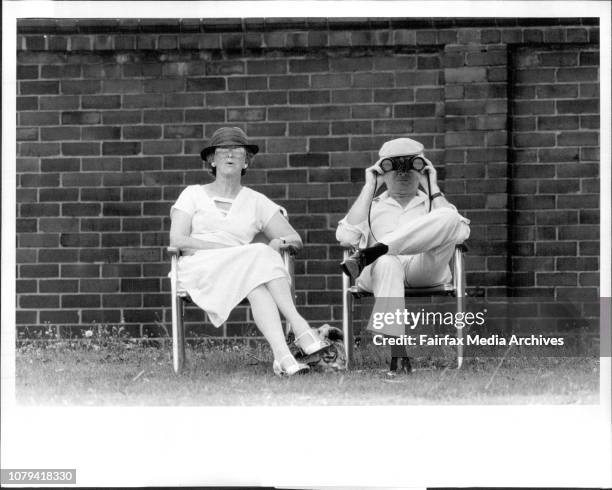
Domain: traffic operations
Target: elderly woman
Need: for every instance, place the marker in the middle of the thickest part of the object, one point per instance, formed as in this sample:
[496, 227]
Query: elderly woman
[214, 225]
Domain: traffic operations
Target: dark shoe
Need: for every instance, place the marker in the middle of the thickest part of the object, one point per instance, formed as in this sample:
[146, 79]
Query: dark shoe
[399, 366]
[353, 265]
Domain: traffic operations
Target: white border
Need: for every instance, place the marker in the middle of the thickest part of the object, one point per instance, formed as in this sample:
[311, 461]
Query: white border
[354, 446]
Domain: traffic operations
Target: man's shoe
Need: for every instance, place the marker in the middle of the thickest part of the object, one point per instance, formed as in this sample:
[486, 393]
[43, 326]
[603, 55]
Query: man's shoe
[399, 366]
[353, 265]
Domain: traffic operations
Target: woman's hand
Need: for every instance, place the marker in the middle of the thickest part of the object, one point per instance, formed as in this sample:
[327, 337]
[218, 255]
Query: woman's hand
[277, 244]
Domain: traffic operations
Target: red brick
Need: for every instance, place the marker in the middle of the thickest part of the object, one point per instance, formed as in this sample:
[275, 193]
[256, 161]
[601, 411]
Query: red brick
[161, 147]
[101, 102]
[176, 85]
[102, 164]
[80, 270]
[224, 99]
[533, 139]
[373, 80]
[556, 248]
[27, 72]
[307, 160]
[140, 254]
[581, 201]
[249, 83]
[27, 103]
[61, 317]
[355, 127]
[578, 106]
[38, 118]
[39, 88]
[121, 209]
[541, 75]
[121, 148]
[557, 91]
[80, 118]
[182, 132]
[58, 286]
[556, 279]
[104, 72]
[183, 100]
[557, 122]
[204, 84]
[80, 240]
[558, 155]
[39, 271]
[577, 138]
[124, 86]
[99, 255]
[332, 80]
[81, 209]
[253, 114]
[80, 86]
[288, 113]
[80, 300]
[57, 255]
[71, 149]
[200, 115]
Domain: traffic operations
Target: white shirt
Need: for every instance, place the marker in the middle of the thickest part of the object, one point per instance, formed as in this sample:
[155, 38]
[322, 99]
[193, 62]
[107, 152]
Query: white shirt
[248, 215]
[385, 216]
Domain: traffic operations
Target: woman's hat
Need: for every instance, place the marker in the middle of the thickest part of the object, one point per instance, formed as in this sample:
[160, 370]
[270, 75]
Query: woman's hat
[228, 137]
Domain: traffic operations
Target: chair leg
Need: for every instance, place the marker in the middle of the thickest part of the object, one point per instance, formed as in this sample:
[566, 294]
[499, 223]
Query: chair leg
[347, 328]
[178, 335]
[459, 280]
[460, 309]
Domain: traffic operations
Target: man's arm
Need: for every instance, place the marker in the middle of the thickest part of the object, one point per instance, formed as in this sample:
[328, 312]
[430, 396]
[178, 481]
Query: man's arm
[359, 210]
[440, 201]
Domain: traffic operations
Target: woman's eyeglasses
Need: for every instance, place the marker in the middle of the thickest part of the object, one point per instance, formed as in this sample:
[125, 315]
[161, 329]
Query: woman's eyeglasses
[239, 151]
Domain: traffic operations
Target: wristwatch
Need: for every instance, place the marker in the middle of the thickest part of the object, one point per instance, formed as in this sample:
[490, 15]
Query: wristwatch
[437, 194]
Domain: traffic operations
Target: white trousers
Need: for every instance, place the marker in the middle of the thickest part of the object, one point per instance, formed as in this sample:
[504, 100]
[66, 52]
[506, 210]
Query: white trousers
[419, 255]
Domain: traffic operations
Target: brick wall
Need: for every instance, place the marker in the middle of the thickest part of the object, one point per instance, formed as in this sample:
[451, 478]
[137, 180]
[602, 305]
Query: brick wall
[112, 116]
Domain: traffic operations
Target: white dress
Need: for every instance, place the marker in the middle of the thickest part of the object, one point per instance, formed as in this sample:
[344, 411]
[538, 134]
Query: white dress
[218, 279]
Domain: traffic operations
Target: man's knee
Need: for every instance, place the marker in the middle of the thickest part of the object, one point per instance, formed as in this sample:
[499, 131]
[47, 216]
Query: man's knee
[386, 267]
[451, 221]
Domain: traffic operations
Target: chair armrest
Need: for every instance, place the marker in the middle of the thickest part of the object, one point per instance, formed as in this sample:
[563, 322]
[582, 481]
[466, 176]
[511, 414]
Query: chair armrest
[462, 247]
[290, 250]
[347, 250]
[173, 251]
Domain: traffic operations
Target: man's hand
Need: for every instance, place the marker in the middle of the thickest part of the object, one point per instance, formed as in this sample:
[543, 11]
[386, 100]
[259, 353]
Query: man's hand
[371, 174]
[430, 171]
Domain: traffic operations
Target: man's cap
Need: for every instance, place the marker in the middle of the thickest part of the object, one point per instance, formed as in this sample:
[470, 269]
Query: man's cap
[228, 136]
[400, 147]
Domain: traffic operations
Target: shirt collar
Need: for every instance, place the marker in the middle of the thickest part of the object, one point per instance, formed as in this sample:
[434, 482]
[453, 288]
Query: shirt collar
[416, 201]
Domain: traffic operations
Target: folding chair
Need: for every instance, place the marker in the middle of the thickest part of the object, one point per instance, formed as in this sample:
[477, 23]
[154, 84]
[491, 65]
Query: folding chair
[181, 297]
[455, 287]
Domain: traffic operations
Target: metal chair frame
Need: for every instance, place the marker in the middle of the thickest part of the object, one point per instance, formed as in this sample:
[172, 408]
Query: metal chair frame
[180, 297]
[456, 287]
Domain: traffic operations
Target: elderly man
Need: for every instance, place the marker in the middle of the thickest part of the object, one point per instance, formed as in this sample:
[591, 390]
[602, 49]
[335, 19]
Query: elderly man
[405, 237]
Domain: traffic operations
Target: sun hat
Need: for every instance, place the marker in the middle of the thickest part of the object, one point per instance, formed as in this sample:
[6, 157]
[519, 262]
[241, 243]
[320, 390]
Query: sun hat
[228, 136]
[400, 147]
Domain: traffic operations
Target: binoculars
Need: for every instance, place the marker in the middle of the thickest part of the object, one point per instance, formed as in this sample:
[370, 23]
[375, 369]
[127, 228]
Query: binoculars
[403, 163]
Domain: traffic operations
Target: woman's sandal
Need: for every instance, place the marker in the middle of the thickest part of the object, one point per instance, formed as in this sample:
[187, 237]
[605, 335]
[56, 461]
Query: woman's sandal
[293, 368]
[315, 345]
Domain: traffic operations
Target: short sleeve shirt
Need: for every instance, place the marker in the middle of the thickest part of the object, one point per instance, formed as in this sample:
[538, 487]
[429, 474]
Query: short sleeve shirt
[248, 215]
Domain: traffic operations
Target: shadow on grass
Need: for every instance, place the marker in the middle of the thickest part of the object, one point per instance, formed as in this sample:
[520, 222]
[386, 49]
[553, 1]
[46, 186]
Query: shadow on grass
[229, 373]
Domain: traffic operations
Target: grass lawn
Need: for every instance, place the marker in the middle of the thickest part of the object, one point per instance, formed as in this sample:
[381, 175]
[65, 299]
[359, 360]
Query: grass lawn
[133, 374]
